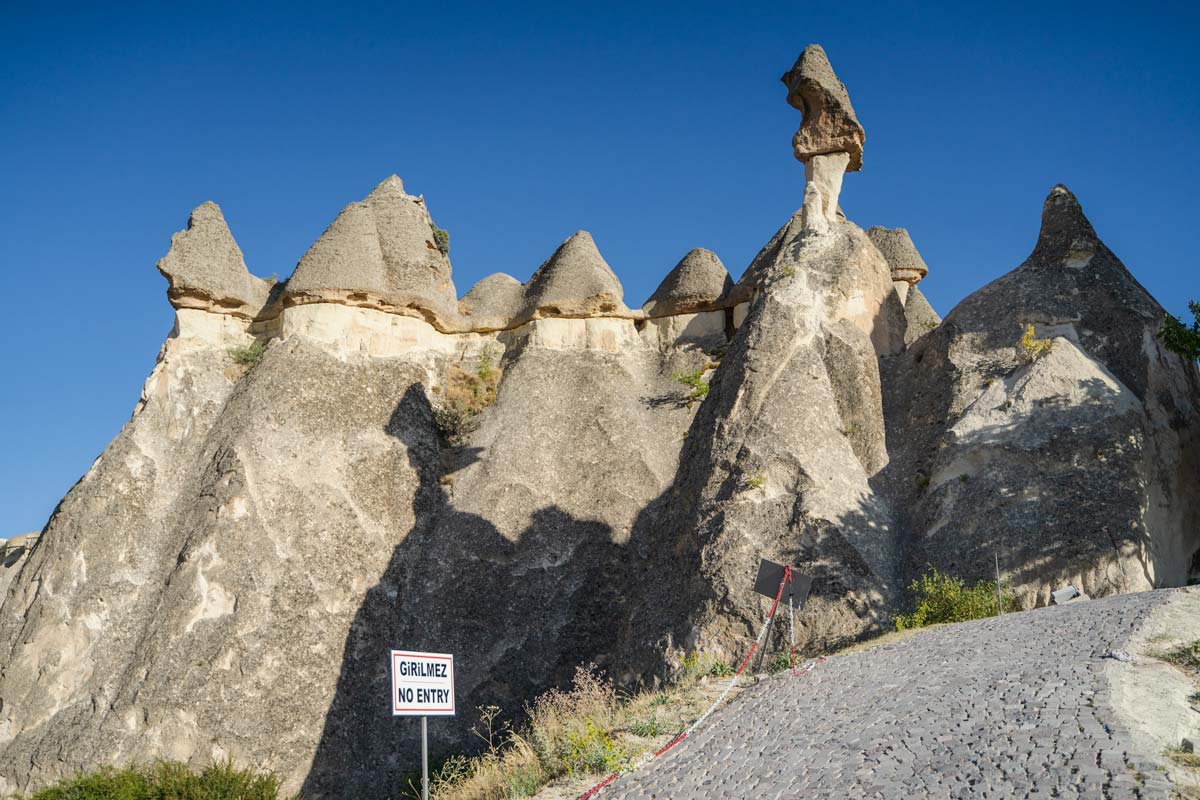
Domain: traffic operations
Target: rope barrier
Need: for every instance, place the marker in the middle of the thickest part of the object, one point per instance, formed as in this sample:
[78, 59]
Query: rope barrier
[646, 759]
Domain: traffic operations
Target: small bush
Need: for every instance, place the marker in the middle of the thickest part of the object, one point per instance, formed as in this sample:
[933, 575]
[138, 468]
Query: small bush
[944, 598]
[467, 393]
[1181, 338]
[249, 355]
[441, 238]
[166, 780]
[694, 381]
[696, 665]
[646, 727]
[1186, 656]
[1031, 347]
[756, 481]
[661, 699]
[566, 728]
[779, 662]
[591, 751]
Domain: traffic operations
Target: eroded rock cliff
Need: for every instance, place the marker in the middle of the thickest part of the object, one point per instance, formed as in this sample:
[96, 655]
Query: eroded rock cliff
[300, 488]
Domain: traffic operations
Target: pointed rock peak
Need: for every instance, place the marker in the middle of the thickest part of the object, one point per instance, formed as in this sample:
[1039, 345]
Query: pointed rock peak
[901, 254]
[574, 281]
[205, 269]
[383, 247]
[829, 124]
[699, 282]
[1066, 235]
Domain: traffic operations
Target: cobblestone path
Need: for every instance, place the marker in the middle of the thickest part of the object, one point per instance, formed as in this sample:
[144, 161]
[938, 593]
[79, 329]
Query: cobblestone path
[1008, 707]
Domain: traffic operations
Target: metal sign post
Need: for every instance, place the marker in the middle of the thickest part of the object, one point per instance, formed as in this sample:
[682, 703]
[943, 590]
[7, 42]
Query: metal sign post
[424, 758]
[795, 590]
[422, 685]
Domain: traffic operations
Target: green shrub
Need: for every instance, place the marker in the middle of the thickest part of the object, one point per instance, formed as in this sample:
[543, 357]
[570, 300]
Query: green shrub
[943, 598]
[779, 662]
[694, 381]
[646, 727]
[166, 780]
[593, 751]
[1033, 348]
[756, 481]
[249, 355]
[1180, 338]
[696, 665]
[441, 238]
[661, 699]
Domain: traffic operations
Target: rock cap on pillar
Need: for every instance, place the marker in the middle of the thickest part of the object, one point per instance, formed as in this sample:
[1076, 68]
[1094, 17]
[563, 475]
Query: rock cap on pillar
[897, 247]
[829, 124]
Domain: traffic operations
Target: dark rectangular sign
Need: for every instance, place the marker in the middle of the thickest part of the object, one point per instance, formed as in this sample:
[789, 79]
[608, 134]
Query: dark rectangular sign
[795, 591]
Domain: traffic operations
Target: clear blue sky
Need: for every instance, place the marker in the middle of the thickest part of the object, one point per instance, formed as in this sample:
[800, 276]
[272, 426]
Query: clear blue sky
[656, 126]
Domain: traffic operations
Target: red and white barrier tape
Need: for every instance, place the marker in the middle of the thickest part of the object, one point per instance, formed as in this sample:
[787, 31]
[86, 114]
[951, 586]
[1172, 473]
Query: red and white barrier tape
[646, 759]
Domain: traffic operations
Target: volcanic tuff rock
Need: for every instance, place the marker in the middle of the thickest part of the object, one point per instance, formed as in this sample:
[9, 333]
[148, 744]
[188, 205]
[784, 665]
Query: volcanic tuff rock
[575, 281]
[226, 578]
[829, 124]
[494, 303]
[699, 282]
[205, 268]
[908, 267]
[1079, 467]
[379, 253]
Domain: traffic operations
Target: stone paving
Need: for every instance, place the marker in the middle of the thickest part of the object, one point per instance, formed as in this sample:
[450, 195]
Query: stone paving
[1008, 707]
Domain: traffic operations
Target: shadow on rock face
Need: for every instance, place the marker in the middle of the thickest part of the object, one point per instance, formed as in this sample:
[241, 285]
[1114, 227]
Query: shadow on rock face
[519, 616]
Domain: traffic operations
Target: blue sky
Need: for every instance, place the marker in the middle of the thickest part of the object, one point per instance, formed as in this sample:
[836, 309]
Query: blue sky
[656, 126]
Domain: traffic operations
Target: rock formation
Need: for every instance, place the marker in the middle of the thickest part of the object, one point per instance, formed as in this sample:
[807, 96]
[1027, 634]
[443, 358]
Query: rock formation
[226, 578]
[379, 254]
[830, 139]
[1079, 466]
[205, 269]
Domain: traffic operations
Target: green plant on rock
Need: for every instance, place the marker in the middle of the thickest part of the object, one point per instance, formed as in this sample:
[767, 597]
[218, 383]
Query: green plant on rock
[1181, 338]
[695, 382]
[944, 598]
[249, 355]
[441, 238]
[1031, 347]
[756, 481]
[467, 393]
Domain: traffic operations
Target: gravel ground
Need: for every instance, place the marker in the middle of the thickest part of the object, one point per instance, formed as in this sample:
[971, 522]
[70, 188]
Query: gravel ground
[1013, 706]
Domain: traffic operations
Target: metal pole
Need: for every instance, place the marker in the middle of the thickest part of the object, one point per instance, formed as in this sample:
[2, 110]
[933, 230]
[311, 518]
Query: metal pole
[999, 597]
[792, 612]
[424, 758]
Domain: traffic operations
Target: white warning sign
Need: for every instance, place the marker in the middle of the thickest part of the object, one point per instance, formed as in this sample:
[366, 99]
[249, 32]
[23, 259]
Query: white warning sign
[422, 684]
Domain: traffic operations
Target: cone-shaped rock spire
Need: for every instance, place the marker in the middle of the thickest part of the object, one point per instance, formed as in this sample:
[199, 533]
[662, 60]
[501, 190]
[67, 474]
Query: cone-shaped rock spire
[575, 281]
[1066, 234]
[829, 124]
[699, 282]
[384, 248]
[205, 268]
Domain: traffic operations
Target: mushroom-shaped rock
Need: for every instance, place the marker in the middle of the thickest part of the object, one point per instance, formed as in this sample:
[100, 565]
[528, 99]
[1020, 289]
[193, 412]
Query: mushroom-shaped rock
[205, 269]
[829, 124]
[380, 253]
[896, 246]
[492, 304]
[575, 281]
[699, 282]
